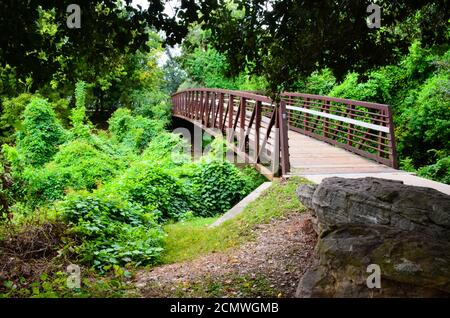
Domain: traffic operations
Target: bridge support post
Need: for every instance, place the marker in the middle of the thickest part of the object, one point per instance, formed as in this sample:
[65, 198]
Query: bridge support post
[275, 160]
[284, 139]
[257, 130]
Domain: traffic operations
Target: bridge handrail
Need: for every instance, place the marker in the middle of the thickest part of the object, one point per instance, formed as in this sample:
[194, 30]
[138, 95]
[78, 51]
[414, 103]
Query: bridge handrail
[243, 94]
[364, 128]
[371, 105]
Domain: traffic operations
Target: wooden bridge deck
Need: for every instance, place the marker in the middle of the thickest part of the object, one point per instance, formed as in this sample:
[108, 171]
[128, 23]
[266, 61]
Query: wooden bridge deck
[316, 160]
[311, 156]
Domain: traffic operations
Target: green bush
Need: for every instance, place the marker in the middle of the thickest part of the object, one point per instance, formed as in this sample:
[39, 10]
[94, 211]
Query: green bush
[111, 231]
[134, 131]
[151, 104]
[253, 178]
[9, 81]
[426, 126]
[417, 64]
[319, 83]
[11, 116]
[208, 67]
[167, 149]
[151, 186]
[439, 171]
[374, 89]
[217, 186]
[78, 165]
[80, 124]
[41, 133]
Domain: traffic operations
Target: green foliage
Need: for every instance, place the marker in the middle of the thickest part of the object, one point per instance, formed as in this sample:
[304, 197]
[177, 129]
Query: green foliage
[375, 89]
[217, 185]
[11, 116]
[139, 80]
[115, 62]
[134, 131]
[417, 63]
[54, 285]
[9, 84]
[12, 110]
[254, 83]
[41, 133]
[174, 75]
[427, 124]
[319, 83]
[80, 127]
[253, 178]
[78, 166]
[154, 105]
[406, 164]
[151, 186]
[208, 67]
[295, 37]
[168, 150]
[112, 231]
[439, 171]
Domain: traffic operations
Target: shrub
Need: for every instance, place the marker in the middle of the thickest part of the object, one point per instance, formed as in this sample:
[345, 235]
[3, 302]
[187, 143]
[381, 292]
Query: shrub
[320, 83]
[80, 124]
[406, 164]
[11, 116]
[253, 178]
[167, 149]
[217, 185]
[111, 231]
[347, 89]
[208, 67]
[78, 165]
[375, 89]
[12, 110]
[134, 131]
[9, 81]
[418, 62]
[149, 185]
[427, 125]
[41, 134]
[151, 104]
[439, 171]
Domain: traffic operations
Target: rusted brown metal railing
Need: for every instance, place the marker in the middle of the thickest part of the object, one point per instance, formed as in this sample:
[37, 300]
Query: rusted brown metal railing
[252, 125]
[361, 127]
[261, 126]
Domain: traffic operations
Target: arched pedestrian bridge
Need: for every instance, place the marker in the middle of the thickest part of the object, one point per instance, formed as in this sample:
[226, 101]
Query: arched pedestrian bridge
[303, 134]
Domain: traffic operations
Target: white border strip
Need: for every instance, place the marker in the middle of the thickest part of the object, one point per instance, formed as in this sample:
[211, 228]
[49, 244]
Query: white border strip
[341, 118]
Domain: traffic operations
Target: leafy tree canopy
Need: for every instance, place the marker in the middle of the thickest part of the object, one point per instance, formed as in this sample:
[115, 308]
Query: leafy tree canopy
[287, 38]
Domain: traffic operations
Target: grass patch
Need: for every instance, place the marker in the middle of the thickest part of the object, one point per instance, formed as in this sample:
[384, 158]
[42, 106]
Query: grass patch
[189, 239]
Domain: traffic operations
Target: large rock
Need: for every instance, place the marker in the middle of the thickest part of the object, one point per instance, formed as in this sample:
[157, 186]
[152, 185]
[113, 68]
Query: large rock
[403, 229]
[338, 201]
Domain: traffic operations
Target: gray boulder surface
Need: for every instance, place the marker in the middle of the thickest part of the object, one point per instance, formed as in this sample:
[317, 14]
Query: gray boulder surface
[403, 229]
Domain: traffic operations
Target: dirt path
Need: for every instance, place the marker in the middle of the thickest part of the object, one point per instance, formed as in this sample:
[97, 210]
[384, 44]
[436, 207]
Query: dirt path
[269, 266]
